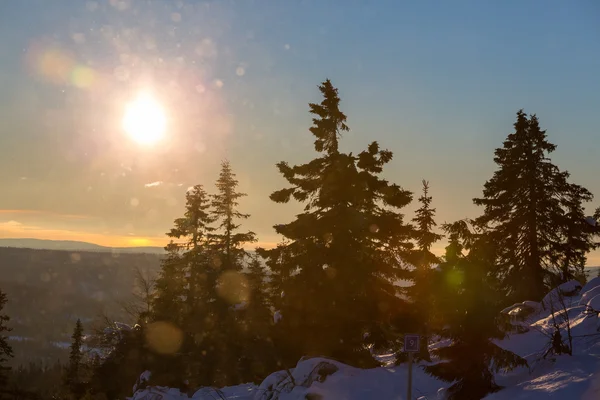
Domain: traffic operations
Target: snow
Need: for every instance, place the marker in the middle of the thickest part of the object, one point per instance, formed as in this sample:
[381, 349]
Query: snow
[569, 287]
[594, 304]
[522, 311]
[123, 326]
[19, 338]
[143, 379]
[587, 296]
[233, 392]
[551, 377]
[117, 328]
[159, 393]
[592, 283]
[591, 221]
[532, 304]
[239, 392]
[566, 290]
[508, 309]
[567, 378]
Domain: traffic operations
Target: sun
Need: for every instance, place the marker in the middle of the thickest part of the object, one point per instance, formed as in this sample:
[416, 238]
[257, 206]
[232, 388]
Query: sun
[144, 120]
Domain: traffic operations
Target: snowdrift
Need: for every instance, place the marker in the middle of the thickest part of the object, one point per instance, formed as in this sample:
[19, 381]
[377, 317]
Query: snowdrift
[548, 376]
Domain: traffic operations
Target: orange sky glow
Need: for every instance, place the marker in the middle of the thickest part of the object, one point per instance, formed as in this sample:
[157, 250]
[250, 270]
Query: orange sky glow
[13, 229]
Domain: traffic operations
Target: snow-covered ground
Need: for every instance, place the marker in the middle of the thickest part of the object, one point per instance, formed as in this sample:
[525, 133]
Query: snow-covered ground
[553, 377]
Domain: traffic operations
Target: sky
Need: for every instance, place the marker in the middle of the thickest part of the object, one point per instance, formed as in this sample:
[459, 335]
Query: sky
[438, 83]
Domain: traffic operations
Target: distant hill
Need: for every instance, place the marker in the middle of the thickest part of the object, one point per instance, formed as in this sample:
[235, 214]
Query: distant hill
[592, 272]
[71, 245]
[48, 290]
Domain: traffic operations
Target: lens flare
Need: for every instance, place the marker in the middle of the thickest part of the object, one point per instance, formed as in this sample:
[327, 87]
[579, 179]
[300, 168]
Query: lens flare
[83, 77]
[164, 337]
[233, 287]
[57, 66]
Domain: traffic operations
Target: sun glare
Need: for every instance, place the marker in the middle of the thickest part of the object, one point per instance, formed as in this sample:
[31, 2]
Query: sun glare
[144, 120]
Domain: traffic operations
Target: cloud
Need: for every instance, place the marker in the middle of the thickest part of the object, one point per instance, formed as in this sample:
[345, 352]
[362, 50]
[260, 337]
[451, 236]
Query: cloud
[13, 223]
[153, 184]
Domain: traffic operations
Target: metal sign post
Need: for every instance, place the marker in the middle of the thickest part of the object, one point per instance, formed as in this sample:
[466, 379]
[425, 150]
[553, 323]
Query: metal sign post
[411, 345]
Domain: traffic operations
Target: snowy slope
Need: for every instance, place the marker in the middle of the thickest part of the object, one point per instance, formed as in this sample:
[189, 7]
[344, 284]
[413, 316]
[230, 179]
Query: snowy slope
[553, 377]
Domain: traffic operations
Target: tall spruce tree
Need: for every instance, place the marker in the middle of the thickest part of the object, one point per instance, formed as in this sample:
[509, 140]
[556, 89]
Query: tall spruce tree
[184, 269]
[226, 341]
[425, 236]
[184, 291]
[74, 380]
[228, 240]
[200, 286]
[422, 290]
[337, 269]
[470, 308]
[195, 230]
[5, 349]
[533, 213]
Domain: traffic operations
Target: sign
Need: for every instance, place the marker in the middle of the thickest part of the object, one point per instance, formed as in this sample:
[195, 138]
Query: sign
[411, 343]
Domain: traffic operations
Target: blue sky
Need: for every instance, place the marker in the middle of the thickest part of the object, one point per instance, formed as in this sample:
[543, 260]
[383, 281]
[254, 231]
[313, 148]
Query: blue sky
[438, 83]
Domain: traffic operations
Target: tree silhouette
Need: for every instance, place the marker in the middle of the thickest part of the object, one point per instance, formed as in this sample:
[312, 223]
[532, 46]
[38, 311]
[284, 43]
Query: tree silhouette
[74, 379]
[470, 307]
[184, 287]
[228, 241]
[5, 349]
[258, 353]
[226, 337]
[422, 290]
[534, 214]
[342, 255]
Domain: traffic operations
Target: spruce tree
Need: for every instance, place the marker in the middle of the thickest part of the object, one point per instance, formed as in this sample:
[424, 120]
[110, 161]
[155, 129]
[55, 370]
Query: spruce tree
[257, 312]
[227, 241]
[578, 235]
[171, 287]
[5, 349]
[200, 286]
[74, 375]
[184, 270]
[337, 268]
[470, 307]
[200, 274]
[184, 290]
[195, 226]
[533, 213]
[259, 355]
[126, 358]
[169, 312]
[425, 236]
[422, 290]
